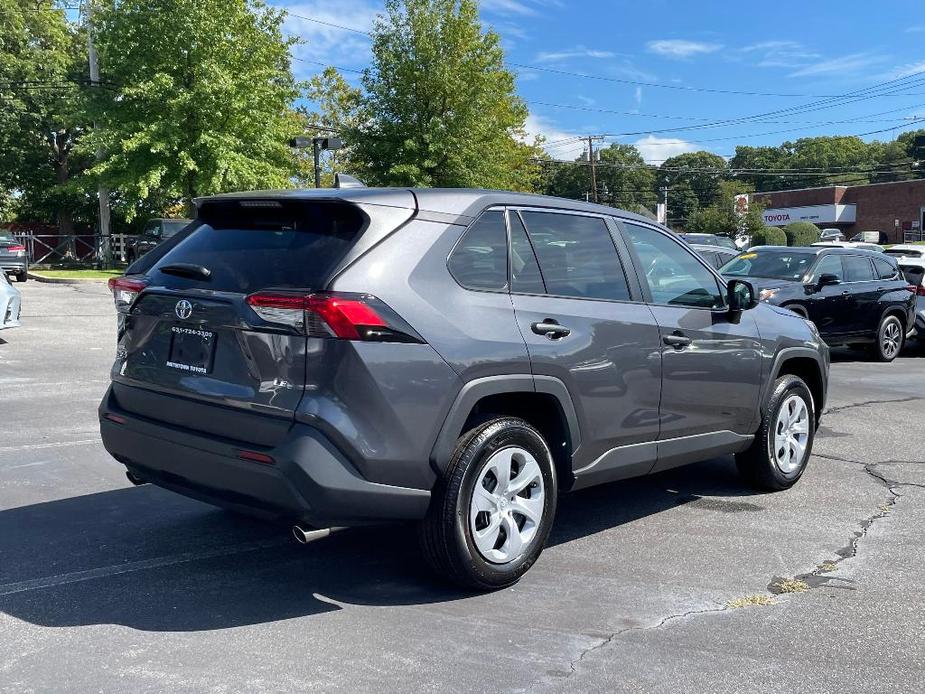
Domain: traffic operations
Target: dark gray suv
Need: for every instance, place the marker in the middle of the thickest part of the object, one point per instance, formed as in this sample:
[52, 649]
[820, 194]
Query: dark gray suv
[454, 357]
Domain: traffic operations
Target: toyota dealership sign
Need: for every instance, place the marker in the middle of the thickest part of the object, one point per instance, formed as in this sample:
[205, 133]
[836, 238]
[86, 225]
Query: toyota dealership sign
[817, 214]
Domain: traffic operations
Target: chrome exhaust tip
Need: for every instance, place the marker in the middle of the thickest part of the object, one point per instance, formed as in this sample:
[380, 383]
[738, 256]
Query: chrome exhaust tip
[305, 535]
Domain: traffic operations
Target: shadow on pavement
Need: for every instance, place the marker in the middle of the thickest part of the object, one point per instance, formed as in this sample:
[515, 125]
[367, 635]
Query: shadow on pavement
[137, 534]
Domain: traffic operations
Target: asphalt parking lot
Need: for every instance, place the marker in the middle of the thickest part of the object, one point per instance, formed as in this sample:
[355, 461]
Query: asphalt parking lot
[646, 586]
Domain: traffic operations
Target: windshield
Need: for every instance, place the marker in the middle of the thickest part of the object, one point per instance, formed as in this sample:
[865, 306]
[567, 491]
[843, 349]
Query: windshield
[779, 265]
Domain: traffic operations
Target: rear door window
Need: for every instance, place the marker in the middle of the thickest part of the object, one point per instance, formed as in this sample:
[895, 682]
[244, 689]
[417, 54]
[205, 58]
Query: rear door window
[858, 269]
[289, 246]
[884, 270]
[576, 256]
[479, 260]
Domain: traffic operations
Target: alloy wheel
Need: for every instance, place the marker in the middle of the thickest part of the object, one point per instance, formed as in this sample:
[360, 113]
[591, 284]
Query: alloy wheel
[891, 339]
[507, 505]
[791, 434]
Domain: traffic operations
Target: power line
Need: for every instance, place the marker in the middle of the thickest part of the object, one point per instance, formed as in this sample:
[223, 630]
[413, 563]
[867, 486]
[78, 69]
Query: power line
[617, 80]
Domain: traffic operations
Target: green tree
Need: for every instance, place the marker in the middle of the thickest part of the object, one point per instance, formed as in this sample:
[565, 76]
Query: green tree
[702, 172]
[205, 89]
[769, 236]
[682, 204]
[439, 107]
[624, 179]
[801, 233]
[43, 73]
[334, 110]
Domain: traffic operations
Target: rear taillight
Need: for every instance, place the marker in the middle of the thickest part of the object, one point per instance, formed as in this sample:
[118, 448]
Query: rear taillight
[347, 317]
[125, 291]
[919, 290]
[17, 249]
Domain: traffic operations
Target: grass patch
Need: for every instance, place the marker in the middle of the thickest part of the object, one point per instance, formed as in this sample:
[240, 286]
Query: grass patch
[751, 601]
[827, 567]
[791, 585]
[77, 274]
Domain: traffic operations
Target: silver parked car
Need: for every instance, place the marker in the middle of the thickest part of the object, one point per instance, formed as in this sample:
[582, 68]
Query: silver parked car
[10, 303]
[13, 257]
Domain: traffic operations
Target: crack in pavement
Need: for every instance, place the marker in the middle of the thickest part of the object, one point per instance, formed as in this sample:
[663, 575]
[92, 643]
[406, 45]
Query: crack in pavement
[866, 403]
[820, 576]
[575, 662]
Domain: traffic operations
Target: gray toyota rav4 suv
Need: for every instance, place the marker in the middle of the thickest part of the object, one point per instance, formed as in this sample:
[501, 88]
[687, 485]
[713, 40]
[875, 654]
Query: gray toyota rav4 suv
[453, 357]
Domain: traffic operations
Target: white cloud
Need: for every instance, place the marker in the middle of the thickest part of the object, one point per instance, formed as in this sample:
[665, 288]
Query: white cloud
[681, 48]
[559, 144]
[655, 150]
[907, 70]
[576, 52]
[637, 96]
[786, 54]
[325, 43]
[916, 29]
[507, 7]
[852, 63]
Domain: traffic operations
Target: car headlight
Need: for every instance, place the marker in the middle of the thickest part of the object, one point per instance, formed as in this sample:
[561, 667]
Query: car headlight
[767, 294]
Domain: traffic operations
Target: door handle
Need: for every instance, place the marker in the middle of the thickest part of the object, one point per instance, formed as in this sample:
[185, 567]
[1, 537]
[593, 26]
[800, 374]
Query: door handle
[677, 340]
[550, 329]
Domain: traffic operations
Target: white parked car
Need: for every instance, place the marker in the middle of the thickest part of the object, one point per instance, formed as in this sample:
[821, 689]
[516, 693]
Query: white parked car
[10, 303]
[830, 234]
[907, 253]
[851, 244]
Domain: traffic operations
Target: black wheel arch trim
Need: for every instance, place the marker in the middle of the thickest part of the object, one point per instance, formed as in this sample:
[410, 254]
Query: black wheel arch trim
[476, 389]
[788, 353]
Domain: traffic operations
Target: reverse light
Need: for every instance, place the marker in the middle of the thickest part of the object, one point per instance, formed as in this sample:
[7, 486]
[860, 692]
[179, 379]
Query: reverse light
[346, 317]
[767, 294]
[125, 291]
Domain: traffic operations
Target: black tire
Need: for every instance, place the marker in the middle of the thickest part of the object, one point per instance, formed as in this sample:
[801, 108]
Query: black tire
[884, 349]
[22, 276]
[446, 535]
[758, 465]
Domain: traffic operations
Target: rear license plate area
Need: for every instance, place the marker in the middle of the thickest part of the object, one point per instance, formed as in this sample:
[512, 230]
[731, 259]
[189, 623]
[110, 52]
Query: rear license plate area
[191, 350]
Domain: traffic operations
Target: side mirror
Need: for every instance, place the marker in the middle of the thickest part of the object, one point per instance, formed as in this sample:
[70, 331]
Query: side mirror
[741, 296]
[826, 279]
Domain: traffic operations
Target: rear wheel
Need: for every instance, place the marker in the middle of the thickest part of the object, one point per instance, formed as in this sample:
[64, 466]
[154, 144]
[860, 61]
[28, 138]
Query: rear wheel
[492, 513]
[890, 339]
[22, 276]
[780, 452]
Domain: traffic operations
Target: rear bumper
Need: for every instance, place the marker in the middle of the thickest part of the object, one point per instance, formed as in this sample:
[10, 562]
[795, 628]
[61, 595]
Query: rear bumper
[310, 482]
[11, 266]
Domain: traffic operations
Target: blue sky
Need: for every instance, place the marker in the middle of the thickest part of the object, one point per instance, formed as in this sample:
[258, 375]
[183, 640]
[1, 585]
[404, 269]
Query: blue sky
[658, 57]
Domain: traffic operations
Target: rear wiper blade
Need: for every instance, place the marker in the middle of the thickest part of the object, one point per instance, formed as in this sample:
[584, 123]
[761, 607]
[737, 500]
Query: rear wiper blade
[190, 270]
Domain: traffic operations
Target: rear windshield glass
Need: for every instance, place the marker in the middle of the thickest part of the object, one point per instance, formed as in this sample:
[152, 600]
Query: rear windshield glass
[779, 265]
[248, 248]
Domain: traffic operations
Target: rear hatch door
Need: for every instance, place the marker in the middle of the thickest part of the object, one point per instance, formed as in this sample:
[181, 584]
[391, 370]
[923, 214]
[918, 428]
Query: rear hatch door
[190, 333]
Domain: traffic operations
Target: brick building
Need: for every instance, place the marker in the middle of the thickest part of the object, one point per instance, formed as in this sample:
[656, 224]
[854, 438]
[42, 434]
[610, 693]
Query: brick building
[897, 209]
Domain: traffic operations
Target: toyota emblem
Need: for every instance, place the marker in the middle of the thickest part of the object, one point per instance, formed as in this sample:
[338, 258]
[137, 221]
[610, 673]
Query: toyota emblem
[184, 309]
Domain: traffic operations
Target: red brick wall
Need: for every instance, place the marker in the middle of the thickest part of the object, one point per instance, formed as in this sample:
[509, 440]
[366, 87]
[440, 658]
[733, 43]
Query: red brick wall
[801, 198]
[879, 206]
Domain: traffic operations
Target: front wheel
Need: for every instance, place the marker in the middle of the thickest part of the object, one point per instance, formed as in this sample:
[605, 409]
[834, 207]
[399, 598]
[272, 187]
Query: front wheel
[491, 514]
[780, 452]
[890, 339]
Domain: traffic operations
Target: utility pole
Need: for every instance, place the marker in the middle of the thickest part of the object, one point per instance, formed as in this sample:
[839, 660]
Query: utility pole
[662, 210]
[104, 256]
[316, 153]
[593, 168]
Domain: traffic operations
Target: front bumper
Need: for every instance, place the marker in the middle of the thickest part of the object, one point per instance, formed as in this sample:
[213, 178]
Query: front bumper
[310, 482]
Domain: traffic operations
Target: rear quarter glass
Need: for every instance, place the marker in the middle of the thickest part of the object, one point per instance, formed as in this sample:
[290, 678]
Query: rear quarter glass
[291, 245]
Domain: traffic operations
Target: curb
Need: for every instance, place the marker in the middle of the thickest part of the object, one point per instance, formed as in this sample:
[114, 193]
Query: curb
[63, 280]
